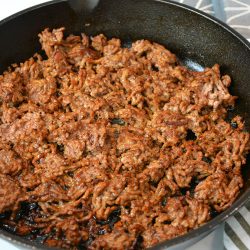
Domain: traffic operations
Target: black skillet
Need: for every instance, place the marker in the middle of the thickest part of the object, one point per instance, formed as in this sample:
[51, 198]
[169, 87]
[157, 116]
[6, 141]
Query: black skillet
[198, 40]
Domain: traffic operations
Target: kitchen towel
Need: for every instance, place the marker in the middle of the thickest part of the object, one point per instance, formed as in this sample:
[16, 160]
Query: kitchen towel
[235, 13]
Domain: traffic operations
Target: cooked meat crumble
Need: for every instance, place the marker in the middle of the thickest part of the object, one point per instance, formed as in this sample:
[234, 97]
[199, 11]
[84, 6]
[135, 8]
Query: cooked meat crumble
[105, 147]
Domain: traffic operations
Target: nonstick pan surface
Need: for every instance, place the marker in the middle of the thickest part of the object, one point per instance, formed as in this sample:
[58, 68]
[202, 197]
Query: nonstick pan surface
[197, 39]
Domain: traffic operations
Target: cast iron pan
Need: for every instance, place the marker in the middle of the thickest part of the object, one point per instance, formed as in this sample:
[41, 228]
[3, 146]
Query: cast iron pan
[198, 40]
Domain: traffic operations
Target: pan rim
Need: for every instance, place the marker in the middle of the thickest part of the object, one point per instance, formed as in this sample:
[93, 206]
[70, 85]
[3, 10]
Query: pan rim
[204, 229]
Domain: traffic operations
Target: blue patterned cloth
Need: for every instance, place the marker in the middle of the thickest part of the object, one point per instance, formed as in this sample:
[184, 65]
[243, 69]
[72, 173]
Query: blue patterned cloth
[235, 13]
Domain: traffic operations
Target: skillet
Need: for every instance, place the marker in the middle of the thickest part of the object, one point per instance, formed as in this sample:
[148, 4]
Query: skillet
[196, 38]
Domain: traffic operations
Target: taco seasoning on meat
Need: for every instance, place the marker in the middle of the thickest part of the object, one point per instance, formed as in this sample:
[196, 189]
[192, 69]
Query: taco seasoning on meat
[106, 147]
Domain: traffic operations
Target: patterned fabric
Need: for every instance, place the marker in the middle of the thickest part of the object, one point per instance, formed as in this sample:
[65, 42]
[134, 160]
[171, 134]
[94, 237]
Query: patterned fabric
[237, 230]
[238, 15]
[235, 13]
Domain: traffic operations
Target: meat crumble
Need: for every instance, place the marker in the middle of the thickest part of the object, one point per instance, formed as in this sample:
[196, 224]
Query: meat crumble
[106, 147]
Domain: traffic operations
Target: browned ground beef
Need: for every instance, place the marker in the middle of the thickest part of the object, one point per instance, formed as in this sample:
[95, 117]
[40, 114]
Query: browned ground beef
[108, 147]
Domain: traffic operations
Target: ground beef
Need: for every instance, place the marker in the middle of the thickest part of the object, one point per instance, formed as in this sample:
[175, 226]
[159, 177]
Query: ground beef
[10, 192]
[105, 147]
